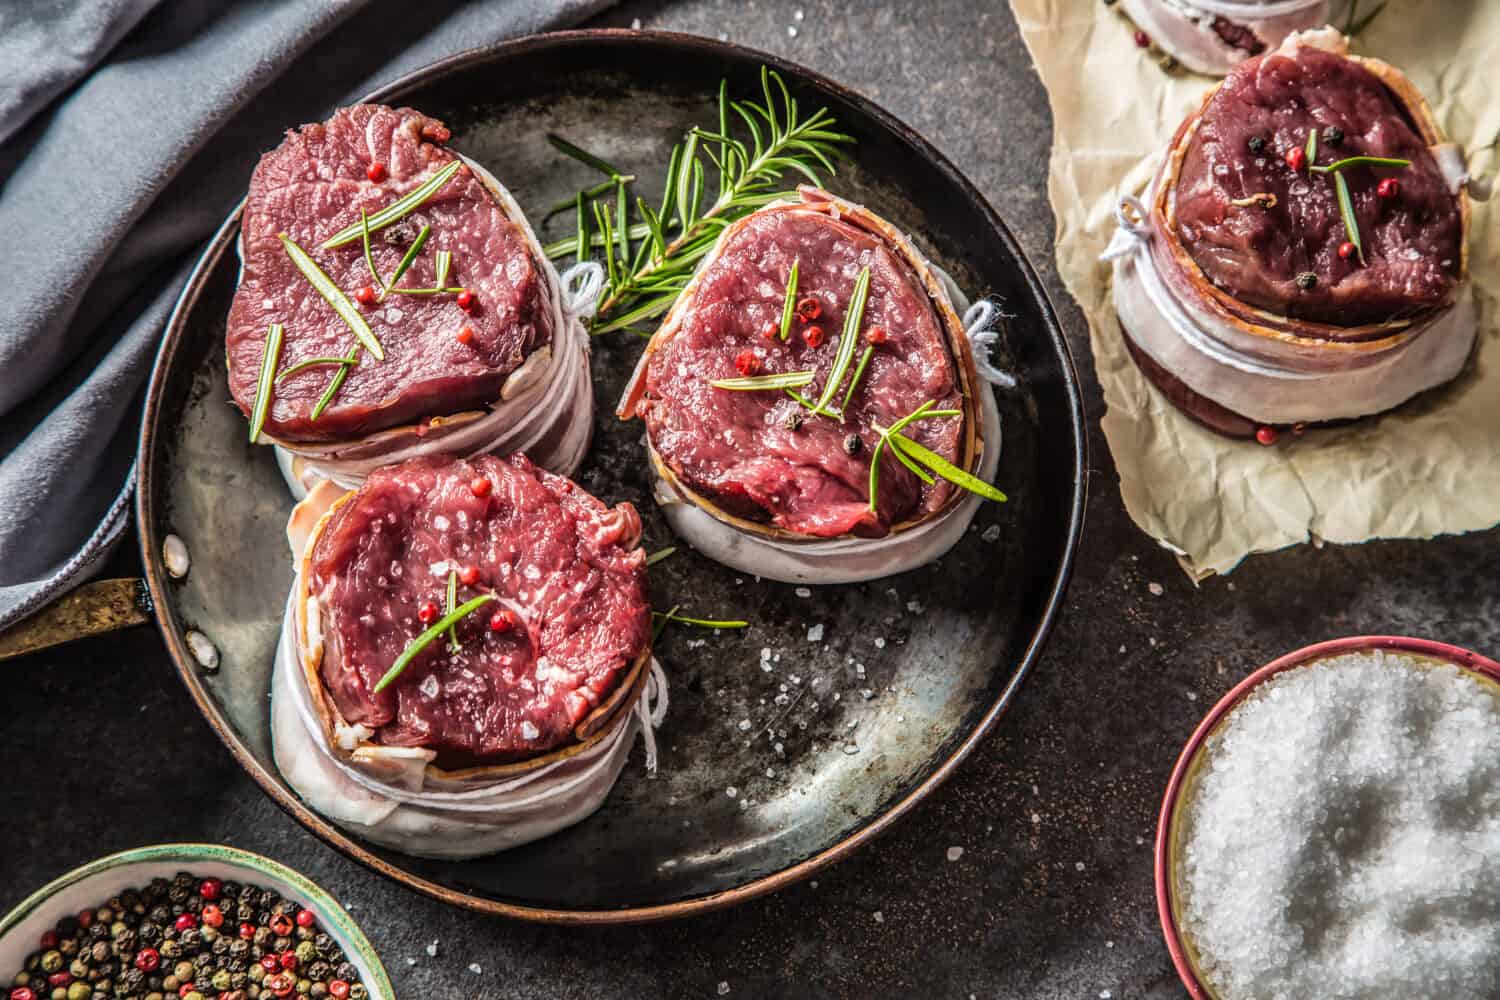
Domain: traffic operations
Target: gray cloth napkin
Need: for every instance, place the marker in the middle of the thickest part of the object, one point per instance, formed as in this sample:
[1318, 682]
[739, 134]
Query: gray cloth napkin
[132, 132]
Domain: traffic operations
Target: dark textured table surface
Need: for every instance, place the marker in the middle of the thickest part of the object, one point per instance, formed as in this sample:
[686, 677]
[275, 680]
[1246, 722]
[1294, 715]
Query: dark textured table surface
[1051, 896]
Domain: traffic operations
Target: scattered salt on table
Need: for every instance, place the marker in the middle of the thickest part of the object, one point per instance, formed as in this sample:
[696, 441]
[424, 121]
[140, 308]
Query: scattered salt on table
[1342, 838]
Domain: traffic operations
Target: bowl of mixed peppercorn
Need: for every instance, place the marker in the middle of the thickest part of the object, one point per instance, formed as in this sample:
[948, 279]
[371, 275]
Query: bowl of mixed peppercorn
[190, 922]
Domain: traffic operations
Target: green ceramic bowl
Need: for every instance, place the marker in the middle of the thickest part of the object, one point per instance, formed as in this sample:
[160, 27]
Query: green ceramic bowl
[97, 881]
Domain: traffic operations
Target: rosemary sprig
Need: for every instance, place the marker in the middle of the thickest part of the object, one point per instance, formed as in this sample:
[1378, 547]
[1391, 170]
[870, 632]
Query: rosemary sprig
[452, 605]
[790, 305]
[660, 554]
[755, 383]
[406, 261]
[1341, 188]
[422, 641]
[848, 340]
[920, 460]
[333, 295]
[685, 224]
[1360, 161]
[302, 366]
[269, 358]
[396, 210]
[350, 360]
[1346, 210]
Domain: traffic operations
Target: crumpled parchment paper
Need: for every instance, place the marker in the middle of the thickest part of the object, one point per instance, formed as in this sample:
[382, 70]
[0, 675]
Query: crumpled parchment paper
[1431, 467]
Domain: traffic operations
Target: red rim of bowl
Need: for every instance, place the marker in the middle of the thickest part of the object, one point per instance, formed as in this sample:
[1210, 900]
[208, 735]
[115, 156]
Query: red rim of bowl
[1457, 655]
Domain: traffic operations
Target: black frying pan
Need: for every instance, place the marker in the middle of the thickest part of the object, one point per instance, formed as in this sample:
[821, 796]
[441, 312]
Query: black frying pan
[922, 665]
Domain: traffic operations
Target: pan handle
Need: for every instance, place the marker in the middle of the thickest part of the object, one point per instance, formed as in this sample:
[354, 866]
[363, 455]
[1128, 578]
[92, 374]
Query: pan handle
[94, 608]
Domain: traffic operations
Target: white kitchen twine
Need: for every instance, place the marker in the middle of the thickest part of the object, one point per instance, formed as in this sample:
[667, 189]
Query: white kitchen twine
[650, 710]
[582, 286]
[1133, 239]
[979, 322]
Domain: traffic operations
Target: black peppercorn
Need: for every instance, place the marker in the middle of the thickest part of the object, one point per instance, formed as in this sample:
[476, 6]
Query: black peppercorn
[346, 971]
[1257, 145]
[1333, 135]
[1307, 281]
[793, 420]
[852, 444]
[156, 889]
[178, 894]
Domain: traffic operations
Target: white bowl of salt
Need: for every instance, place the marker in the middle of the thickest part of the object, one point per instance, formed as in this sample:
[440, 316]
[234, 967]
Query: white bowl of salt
[1332, 829]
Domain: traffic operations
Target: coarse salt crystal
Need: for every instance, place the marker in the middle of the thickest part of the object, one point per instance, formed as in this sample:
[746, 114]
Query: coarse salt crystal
[723, 988]
[474, 968]
[954, 853]
[1156, 589]
[803, 592]
[815, 634]
[879, 642]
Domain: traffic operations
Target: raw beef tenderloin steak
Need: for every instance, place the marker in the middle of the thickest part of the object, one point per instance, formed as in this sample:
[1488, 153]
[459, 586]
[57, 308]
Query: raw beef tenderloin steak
[761, 456]
[315, 185]
[570, 619]
[1259, 253]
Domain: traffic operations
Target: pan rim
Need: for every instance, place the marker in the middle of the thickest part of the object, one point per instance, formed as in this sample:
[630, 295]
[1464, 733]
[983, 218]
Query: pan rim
[345, 844]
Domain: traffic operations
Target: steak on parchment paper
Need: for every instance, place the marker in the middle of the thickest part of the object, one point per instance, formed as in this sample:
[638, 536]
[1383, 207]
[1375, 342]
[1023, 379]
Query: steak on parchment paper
[312, 186]
[751, 453]
[1411, 241]
[569, 566]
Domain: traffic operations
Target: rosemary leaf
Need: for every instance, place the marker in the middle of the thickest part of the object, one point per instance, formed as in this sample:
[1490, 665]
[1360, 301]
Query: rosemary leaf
[940, 465]
[685, 180]
[302, 366]
[398, 209]
[847, 340]
[269, 358]
[1346, 210]
[864, 359]
[406, 261]
[1312, 146]
[582, 238]
[790, 305]
[336, 383]
[753, 383]
[606, 232]
[364, 233]
[673, 616]
[584, 156]
[622, 218]
[669, 188]
[422, 641]
[1358, 161]
[658, 238]
[725, 163]
[659, 555]
[331, 293]
[444, 262]
[593, 192]
[452, 604]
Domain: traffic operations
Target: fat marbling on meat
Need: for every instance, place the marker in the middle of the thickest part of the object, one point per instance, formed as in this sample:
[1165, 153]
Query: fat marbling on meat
[570, 566]
[759, 455]
[315, 184]
[1255, 254]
